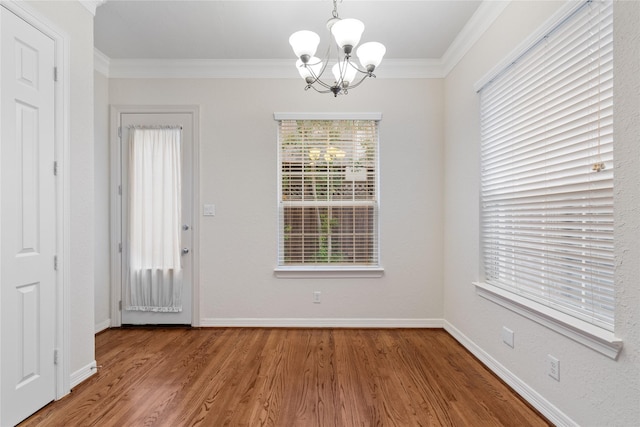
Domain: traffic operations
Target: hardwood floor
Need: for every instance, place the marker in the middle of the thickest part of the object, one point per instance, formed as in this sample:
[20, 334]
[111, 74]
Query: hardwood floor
[286, 377]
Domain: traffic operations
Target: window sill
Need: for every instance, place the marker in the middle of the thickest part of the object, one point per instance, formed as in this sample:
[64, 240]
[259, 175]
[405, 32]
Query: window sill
[596, 338]
[328, 272]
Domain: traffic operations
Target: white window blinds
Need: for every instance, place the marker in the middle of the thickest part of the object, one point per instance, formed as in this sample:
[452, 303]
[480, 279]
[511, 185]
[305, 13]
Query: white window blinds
[547, 170]
[328, 207]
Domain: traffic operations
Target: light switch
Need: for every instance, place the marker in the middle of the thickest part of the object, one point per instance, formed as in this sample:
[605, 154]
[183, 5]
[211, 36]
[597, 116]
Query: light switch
[209, 210]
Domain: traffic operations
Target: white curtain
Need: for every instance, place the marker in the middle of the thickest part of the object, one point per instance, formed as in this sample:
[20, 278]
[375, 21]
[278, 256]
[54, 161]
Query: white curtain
[155, 273]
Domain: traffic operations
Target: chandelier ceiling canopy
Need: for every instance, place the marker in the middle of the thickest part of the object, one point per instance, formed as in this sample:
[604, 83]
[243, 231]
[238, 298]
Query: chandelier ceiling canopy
[347, 75]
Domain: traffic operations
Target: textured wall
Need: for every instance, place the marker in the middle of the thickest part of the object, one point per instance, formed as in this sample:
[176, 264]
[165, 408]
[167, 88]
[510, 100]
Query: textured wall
[593, 390]
[627, 198]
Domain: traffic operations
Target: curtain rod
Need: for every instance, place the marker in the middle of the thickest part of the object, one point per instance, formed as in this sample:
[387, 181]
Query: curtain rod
[155, 127]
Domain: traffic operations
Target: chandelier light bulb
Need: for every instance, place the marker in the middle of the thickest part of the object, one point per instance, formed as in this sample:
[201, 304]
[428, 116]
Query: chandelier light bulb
[304, 43]
[370, 55]
[347, 33]
[344, 73]
[311, 71]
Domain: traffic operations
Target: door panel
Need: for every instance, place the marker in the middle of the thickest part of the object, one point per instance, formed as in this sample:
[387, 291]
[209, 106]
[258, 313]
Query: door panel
[27, 128]
[27, 225]
[161, 119]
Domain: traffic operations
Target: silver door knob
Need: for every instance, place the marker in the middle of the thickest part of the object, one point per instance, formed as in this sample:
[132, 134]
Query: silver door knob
[185, 227]
[185, 251]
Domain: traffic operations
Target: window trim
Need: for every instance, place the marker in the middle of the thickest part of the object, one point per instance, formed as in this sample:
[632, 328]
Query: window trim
[322, 272]
[598, 339]
[327, 116]
[583, 332]
[332, 271]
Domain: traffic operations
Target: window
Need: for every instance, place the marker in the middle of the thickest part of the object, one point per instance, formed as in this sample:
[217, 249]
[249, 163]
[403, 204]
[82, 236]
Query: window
[328, 192]
[547, 170]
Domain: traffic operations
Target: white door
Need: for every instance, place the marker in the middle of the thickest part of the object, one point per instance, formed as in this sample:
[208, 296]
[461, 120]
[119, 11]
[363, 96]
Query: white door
[161, 119]
[28, 222]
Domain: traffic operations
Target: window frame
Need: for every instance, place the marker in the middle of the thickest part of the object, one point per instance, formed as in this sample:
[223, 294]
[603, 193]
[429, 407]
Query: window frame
[584, 332]
[328, 270]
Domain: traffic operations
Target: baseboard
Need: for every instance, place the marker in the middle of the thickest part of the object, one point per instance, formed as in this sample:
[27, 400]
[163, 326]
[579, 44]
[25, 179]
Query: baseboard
[83, 373]
[102, 326]
[320, 323]
[545, 407]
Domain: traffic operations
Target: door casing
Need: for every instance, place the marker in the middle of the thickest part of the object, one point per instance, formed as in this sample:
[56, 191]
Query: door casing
[62, 126]
[116, 112]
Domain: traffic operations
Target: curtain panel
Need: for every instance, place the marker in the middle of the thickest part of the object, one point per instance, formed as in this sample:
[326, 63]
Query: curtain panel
[154, 281]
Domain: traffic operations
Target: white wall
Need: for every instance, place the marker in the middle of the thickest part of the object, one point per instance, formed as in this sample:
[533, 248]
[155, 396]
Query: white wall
[239, 175]
[76, 21]
[593, 389]
[101, 200]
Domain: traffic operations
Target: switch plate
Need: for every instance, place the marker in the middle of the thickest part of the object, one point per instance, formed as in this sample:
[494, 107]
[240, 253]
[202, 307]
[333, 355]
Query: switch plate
[209, 210]
[507, 336]
[316, 297]
[554, 367]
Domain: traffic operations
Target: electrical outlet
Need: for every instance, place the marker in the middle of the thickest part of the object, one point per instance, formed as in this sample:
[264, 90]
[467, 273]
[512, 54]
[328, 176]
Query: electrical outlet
[553, 367]
[316, 297]
[507, 336]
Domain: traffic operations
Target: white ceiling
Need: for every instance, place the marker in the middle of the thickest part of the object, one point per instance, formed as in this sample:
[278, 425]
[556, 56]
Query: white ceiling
[259, 30]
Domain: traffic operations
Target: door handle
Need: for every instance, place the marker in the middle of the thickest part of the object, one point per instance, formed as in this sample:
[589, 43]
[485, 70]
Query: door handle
[185, 227]
[185, 251]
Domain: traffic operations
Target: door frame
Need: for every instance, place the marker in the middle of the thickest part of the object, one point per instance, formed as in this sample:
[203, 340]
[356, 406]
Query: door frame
[116, 112]
[62, 123]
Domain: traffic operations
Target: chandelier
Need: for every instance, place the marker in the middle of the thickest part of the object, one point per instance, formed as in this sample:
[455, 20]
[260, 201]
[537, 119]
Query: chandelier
[347, 33]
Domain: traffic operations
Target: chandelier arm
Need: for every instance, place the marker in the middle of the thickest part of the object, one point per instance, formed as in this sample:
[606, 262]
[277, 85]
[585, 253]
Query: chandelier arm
[316, 78]
[358, 69]
[309, 86]
[342, 67]
[325, 60]
[361, 80]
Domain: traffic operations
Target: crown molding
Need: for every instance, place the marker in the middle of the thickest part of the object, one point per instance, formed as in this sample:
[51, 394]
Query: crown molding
[201, 68]
[91, 5]
[245, 68]
[411, 69]
[479, 22]
[101, 62]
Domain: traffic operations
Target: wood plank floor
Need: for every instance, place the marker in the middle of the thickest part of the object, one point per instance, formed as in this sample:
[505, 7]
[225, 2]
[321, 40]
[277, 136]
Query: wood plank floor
[286, 377]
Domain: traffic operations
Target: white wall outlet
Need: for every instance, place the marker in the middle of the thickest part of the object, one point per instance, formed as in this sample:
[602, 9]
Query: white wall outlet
[316, 297]
[507, 336]
[553, 367]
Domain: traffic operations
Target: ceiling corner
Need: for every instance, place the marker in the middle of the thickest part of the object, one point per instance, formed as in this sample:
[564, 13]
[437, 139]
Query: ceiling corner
[479, 22]
[91, 5]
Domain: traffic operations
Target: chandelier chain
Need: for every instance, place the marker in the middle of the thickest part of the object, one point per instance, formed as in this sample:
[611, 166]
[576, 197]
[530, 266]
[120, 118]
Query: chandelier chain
[335, 9]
